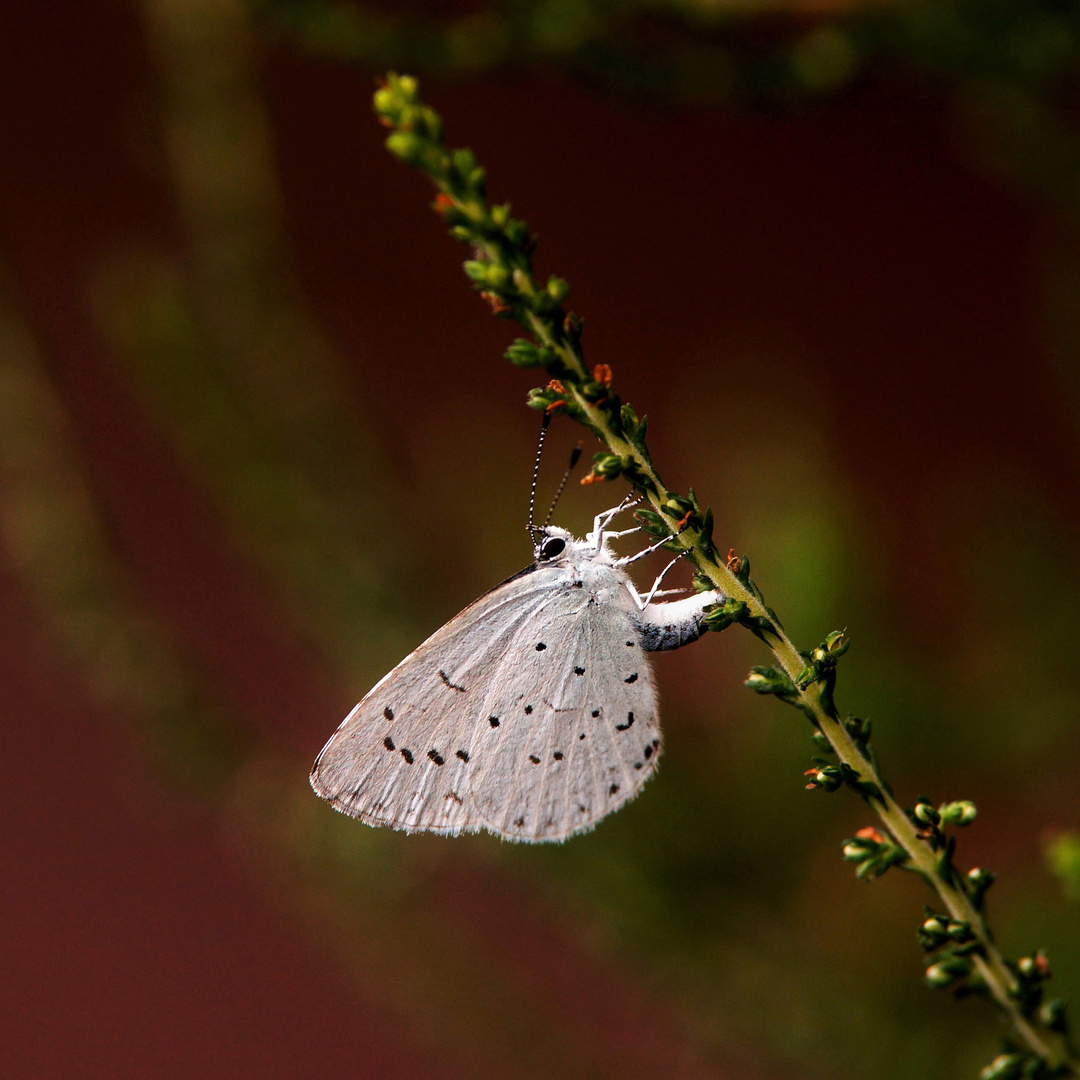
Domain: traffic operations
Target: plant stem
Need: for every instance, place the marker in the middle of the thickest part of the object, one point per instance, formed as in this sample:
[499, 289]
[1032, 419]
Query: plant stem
[502, 270]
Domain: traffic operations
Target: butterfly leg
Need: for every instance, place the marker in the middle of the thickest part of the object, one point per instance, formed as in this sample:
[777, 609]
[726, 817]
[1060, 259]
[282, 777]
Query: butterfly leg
[653, 593]
[628, 559]
[601, 521]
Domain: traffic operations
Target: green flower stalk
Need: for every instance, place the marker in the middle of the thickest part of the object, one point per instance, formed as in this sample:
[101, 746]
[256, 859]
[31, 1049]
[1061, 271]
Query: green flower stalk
[961, 953]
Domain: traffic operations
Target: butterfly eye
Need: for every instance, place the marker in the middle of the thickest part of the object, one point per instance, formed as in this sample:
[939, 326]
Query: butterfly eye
[552, 547]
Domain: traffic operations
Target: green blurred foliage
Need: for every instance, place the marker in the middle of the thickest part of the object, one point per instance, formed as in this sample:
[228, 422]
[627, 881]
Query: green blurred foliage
[1063, 857]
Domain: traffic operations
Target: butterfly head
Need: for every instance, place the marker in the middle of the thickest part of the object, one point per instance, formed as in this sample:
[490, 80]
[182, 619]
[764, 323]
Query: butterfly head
[554, 545]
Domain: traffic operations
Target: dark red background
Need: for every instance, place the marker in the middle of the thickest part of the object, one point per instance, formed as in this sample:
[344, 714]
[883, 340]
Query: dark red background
[136, 941]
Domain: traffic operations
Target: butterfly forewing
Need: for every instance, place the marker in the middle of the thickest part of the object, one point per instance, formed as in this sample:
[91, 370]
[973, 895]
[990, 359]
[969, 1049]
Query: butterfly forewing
[402, 757]
[568, 731]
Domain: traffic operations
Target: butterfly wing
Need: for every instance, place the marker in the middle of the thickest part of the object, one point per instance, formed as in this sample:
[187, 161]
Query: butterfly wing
[403, 755]
[576, 733]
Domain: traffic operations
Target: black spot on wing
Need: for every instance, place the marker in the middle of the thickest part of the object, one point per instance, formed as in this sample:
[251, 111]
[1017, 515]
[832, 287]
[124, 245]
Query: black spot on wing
[631, 678]
[493, 721]
[613, 789]
[388, 743]
[436, 757]
[540, 646]
[388, 713]
[528, 710]
[579, 671]
[407, 755]
[453, 686]
[463, 754]
[558, 755]
[534, 759]
[629, 723]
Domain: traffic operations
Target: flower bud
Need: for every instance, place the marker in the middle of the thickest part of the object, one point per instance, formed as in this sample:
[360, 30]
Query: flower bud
[957, 813]
[938, 977]
[1052, 1015]
[407, 146]
[767, 680]
[524, 354]
[1034, 968]
[677, 505]
[607, 465]
[1003, 1067]
[720, 616]
[944, 972]
[558, 289]
[978, 881]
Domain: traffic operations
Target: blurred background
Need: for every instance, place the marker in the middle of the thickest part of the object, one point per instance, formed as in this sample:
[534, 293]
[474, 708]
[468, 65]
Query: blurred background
[257, 441]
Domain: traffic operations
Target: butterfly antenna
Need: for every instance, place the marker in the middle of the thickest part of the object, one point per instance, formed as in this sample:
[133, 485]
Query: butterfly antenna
[575, 457]
[536, 472]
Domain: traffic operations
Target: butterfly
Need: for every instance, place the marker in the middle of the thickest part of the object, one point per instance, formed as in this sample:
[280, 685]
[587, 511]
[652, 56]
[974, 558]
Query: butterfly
[531, 714]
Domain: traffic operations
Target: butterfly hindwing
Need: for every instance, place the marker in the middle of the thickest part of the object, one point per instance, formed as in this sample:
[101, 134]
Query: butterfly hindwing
[402, 757]
[569, 729]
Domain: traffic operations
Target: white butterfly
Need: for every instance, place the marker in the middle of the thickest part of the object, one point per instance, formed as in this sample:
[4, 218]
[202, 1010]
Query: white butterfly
[531, 714]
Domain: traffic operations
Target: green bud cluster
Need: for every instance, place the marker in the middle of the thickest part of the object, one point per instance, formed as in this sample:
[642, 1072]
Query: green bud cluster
[608, 466]
[501, 266]
[1032, 972]
[825, 776]
[821, 668]
[721, 616]
[1015, 1066]
[770, 680]
[938, 930]
[954, 944]
[977, 882]
[957, 813]
[1015, 1062]
[822, 660]
[873, 853]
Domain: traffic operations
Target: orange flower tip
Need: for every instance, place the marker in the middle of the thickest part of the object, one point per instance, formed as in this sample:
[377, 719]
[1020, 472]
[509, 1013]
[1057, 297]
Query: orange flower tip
[602, 374]
[810, 772]
[810, 787]
[497, 306]
[870, 833]
[685, 519]
[386, 121]
[556, 386]
[592, 478]
[443, 202]
[555, 405]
